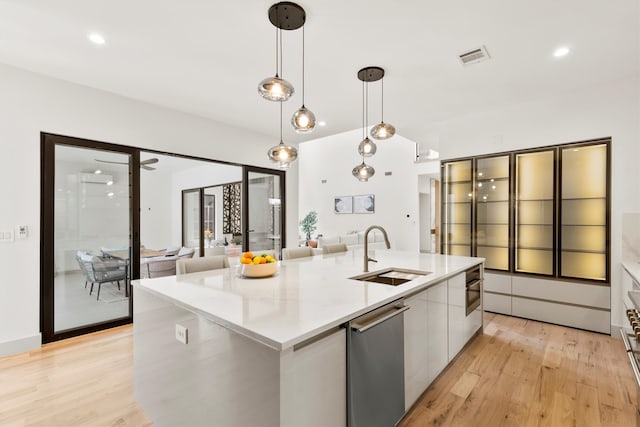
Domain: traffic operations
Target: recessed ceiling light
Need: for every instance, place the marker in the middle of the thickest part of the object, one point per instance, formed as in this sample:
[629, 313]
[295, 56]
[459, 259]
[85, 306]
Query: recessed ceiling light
[96, 38]
[322, 123]
[97, 171]
[561, 51]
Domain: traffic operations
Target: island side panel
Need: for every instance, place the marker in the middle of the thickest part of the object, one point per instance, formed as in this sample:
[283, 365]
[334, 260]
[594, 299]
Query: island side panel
[218, 378]
[314, 382]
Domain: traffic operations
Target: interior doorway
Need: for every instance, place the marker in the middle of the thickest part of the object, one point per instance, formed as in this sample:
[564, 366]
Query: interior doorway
[429, 212]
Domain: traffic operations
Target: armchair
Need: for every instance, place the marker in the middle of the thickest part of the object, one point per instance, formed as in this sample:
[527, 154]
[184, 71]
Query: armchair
[103, 270]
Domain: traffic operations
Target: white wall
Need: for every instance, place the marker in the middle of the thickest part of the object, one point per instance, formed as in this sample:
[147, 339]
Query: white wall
[155, 210]
[396, 196]
[31, 103]
[611, 110]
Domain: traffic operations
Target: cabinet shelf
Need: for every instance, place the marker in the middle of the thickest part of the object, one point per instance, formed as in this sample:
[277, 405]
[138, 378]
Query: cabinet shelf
[583, 198]
[495, 179]
[493, 201]
[492, 223]
[583, 225]
[493, 246]
[533, 248]
[582, 251]
[537, 224]
[534, 200]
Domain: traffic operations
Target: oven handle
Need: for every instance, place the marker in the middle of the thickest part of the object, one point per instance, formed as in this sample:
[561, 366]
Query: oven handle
[632, 358]
[475, 285]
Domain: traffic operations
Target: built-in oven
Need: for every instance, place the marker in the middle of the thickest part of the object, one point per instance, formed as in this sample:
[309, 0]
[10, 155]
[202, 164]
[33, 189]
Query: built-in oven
[631, 339]
[473, 289]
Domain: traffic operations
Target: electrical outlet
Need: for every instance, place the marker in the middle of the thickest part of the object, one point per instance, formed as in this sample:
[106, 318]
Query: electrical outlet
[182, 334]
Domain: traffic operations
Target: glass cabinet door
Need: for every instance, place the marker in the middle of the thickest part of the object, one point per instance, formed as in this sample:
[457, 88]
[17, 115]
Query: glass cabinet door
[583, 207]
[492, 211]
[456, 202]
[534, 192]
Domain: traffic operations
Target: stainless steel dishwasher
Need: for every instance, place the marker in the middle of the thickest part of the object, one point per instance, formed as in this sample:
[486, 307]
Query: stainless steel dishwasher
[375, 354]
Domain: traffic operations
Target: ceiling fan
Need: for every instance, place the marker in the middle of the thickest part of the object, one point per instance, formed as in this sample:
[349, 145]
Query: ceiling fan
[144, 164]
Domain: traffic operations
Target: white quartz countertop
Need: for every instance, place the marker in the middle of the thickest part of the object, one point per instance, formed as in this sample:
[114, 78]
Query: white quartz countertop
[306, 297]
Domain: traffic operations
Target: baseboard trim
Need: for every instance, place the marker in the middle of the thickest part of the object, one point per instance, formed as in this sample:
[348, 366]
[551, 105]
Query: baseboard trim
[20, 345]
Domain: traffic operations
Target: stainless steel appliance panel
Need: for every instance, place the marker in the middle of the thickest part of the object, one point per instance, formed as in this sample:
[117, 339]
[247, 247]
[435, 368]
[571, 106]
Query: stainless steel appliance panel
[376, 368]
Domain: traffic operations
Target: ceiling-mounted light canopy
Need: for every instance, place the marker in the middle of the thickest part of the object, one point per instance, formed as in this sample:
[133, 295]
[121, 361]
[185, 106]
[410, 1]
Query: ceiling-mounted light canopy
[284, 16]
[366, 148]
[382, 130]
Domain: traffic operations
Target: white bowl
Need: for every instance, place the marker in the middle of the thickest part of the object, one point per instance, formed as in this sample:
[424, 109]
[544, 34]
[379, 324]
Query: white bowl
[259, 270]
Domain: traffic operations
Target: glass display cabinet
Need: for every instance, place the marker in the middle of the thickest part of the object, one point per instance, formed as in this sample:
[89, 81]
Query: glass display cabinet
[492, 211]
[456, 213]
[534, 205]
[539, 211]
[583, 207]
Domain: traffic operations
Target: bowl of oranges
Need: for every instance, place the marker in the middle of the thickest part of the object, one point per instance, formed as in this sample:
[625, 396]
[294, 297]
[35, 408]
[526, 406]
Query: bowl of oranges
[252, 265]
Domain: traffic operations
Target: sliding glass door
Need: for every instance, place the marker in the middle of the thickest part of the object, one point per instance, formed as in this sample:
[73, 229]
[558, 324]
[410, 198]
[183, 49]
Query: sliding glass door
[87, 225]
[264, 204]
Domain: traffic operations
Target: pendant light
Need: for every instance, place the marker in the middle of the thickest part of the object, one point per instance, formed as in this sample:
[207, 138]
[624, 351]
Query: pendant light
[382, 130]
[367, 147]
[284, 16]
[282, 153]
[303, 120]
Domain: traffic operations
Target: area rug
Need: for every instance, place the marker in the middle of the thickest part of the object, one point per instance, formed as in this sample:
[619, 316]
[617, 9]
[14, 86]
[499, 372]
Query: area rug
[110, 293]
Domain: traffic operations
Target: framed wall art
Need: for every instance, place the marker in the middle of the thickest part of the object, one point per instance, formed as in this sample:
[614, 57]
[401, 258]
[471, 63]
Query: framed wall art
[365, 203]
[343, 204]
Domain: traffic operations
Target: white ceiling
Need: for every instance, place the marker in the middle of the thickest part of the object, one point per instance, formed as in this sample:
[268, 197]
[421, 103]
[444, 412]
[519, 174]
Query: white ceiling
[206, 57]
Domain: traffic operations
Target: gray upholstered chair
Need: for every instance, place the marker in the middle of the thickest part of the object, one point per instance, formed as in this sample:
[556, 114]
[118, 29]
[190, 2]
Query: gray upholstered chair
[158, 266]
[332, 249]
[185, 252]
[104, 270]
[292, 253]
[194, 265]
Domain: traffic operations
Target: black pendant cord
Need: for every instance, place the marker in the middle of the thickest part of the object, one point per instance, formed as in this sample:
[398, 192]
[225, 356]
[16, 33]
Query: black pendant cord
[382, 107]
[367, 109]
[277, 75]
[280, 122]
[363, 129]
[281, 72]
[303, 65]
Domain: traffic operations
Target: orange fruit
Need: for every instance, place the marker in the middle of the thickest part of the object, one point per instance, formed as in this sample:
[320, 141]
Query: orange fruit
[245, 260]
[263, 260]
[248, 255]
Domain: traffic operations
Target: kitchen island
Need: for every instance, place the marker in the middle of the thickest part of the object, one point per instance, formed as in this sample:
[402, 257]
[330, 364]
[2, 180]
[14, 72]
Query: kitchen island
[272, 351]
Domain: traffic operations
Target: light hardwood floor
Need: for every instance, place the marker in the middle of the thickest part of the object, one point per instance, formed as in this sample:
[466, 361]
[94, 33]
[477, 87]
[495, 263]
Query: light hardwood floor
[519, 373]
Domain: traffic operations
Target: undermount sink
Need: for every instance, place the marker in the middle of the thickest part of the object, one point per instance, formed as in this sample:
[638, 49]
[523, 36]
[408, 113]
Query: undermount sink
[391, 276]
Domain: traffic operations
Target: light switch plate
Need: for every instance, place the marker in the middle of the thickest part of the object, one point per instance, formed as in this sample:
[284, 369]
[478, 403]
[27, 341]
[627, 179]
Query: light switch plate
[182, 334]
[23, 231]
[6, 236]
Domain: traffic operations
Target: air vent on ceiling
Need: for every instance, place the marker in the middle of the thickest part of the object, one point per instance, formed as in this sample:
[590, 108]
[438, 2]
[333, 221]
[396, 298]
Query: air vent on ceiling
[475, 55]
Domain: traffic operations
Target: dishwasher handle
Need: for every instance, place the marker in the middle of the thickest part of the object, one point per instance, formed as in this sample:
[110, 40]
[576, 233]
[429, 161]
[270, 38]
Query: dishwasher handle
[393, 311]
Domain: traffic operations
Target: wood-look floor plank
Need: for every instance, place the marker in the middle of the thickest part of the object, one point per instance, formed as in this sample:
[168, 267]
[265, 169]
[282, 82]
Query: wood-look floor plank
[532, 374]
[519, 373]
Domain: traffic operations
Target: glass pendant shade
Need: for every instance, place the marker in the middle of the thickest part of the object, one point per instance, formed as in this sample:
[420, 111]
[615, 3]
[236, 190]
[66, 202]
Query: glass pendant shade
[382, 131]
[367, 148]
[283, 154]
[303, 120]
[275, 89]
[363, 172]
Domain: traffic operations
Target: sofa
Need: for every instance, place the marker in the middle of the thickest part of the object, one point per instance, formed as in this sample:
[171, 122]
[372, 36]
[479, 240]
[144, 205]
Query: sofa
[353, 240]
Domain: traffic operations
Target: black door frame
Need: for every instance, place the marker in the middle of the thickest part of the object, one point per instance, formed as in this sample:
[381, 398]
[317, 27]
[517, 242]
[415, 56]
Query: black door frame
[48, 142]
[245, 203]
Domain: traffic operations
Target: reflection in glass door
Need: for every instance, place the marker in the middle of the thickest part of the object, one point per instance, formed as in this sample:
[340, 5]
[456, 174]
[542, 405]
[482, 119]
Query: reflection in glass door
[265, 209]
[87, 228]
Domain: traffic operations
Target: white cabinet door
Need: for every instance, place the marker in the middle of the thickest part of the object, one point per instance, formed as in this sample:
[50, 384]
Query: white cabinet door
[313, 383]
[457, 313]
[416, 360]
[436, 330]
